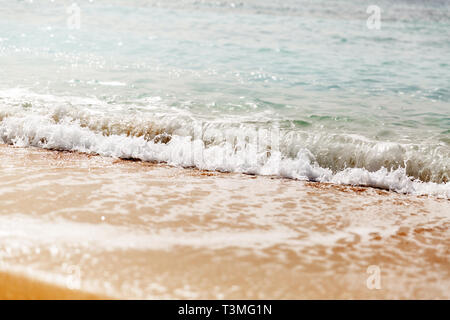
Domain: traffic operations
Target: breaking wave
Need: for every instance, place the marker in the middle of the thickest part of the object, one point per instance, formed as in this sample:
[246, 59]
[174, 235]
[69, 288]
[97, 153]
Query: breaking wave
[179, 138]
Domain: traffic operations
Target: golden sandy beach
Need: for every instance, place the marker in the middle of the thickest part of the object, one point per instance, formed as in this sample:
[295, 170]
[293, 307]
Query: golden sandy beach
[80, 226]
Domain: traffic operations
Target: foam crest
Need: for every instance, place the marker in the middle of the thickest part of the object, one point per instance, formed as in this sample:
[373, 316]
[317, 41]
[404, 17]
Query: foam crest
[210, 149]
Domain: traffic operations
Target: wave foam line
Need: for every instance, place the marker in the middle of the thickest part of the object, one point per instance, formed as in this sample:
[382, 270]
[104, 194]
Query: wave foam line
[40, 131]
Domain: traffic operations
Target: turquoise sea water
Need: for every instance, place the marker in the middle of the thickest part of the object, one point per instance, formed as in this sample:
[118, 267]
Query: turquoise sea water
[299, 89]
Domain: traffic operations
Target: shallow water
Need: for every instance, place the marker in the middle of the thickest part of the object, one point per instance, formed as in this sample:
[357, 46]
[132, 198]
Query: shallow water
[300, 89]
[137, 230]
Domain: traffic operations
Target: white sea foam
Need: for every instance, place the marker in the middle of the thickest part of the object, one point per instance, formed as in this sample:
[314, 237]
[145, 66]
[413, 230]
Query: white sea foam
[240, 156]
[178, 137]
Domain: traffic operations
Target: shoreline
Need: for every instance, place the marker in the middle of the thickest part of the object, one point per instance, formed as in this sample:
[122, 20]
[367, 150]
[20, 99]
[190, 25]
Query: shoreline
[137, 230]
[317, 184]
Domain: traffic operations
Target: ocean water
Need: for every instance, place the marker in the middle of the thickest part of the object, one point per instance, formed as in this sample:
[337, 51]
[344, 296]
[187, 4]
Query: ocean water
[297, 89]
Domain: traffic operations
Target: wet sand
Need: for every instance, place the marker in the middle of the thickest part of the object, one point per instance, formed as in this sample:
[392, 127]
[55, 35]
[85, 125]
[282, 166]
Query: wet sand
[80, 226]
[13, 286]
